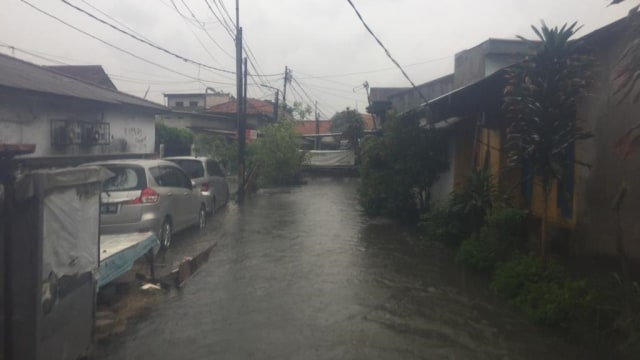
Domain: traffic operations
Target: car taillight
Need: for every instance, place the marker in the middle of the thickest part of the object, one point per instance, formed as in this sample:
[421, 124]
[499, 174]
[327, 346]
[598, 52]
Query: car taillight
[147, 196]
[205, 187]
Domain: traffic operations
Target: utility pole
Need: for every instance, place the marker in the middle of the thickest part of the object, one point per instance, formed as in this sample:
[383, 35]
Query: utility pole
[275, 107]
[317, 144]
[284, 92]
[239, 106]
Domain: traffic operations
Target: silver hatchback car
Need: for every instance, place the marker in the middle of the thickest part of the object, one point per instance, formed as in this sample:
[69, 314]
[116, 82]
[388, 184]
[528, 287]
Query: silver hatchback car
[149, 195]
[207, 175]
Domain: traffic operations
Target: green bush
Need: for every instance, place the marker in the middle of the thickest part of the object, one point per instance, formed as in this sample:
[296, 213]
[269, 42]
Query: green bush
[512, 277]
[276, 155]
[554, 303]
[542, 291]
[444, 225]
[478, 255]
[501, 235]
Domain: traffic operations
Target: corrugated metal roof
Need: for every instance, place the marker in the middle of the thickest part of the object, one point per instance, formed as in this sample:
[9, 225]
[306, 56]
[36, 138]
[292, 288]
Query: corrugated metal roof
[19, 74]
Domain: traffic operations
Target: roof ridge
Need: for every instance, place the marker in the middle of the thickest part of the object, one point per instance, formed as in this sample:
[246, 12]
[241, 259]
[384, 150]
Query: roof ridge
[57, 73]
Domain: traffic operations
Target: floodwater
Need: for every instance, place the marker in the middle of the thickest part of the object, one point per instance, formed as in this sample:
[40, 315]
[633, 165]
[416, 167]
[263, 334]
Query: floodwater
[300, 273]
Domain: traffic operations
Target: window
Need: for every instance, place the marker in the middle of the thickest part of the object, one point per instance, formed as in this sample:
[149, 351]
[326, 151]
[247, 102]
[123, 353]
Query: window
[170, 177]
[214, 169]
[179, 104]
[193, 104]
[125, 178]
[193, 168]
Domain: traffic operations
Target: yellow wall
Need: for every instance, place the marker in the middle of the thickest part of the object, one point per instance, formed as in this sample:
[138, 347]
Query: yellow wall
[489, 142]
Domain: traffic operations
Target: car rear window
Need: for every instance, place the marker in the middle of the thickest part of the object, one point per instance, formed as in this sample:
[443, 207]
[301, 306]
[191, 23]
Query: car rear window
[193, 168]
[125, 178]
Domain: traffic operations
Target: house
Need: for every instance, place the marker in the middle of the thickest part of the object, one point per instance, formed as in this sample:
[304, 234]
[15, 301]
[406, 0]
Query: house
[259, 112]
[94, 74]
[69, 119]
[195, 102]
[472, 120]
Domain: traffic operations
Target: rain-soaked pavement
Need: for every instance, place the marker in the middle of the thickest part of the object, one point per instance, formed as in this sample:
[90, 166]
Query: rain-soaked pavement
[299, 273]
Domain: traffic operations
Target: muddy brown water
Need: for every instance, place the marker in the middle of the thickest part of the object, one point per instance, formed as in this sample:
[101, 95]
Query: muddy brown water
[300, 273]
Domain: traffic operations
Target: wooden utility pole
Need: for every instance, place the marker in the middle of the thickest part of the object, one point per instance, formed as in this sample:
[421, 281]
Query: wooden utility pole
[239, 107]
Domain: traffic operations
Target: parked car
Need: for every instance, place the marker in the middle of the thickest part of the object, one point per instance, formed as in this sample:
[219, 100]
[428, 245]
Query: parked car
[149, 195]
[207, 175]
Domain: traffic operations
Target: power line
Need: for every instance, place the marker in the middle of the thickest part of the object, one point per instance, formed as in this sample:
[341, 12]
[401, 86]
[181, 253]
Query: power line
[143, 40]
[377, 70]
[107, 43]
[386, 51]
[33, 54]
[204, 29]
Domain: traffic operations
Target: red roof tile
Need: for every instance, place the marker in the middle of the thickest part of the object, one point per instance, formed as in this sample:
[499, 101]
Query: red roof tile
[308, 127]
[254, 107]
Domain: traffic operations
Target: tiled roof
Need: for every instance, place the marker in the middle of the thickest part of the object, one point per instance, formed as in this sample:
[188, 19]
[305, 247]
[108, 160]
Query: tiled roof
[254, 107]
[19, 74]
[94, 74]
[308, 127]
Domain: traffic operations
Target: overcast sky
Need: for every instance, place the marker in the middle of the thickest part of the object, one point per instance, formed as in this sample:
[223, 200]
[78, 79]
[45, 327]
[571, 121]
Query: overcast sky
[329, 51]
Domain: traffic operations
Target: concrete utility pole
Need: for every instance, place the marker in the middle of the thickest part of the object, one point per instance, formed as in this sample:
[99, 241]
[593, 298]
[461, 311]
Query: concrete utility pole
[240, 106]
[317, 144]
[275, 106]
[284, 92]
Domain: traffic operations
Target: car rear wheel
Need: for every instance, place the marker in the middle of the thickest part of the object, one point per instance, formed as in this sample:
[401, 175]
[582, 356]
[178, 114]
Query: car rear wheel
[165, 234]
[202, 217]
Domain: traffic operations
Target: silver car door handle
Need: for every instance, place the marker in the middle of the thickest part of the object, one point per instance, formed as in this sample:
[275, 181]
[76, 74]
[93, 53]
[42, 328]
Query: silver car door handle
[169, 194]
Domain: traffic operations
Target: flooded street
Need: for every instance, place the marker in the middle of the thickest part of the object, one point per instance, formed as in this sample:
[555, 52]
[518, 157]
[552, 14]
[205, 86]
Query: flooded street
[300, 273]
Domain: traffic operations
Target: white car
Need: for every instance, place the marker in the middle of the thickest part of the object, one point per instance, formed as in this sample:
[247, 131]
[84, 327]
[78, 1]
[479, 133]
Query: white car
[208, 176]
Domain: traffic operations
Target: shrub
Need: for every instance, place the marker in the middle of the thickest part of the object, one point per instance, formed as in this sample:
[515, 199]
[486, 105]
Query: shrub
[554, 303]
[478, 255]
[444, 225]
[501, 235]
[542, 291]
[511, 278]
[276, 155]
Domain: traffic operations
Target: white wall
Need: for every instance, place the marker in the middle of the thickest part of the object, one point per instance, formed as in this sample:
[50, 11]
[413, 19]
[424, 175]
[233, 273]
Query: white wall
[27, 120]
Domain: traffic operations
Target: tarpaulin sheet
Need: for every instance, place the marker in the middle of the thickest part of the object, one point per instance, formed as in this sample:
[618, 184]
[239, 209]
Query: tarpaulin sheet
[70, 202]
[330, 158]
[119, 252]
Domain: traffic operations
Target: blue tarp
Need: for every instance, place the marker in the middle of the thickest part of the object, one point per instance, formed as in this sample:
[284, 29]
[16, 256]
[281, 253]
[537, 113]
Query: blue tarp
[119, 252]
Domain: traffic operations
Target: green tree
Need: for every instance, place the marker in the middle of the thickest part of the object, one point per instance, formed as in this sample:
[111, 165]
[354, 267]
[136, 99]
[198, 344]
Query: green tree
[399, 168]
[217, 147]
[349, 122]
[540, 102]
[276, 155]
[176, 141]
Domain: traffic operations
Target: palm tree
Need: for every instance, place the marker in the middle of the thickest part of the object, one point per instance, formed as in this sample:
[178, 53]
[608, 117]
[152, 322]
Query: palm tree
[540, 102]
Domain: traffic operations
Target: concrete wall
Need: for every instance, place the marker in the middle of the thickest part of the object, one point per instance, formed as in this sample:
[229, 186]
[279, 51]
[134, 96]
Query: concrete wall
[609, 121]
[492, 55]
[409, 99]
[186, 120]
[186, 99]
[25, 118]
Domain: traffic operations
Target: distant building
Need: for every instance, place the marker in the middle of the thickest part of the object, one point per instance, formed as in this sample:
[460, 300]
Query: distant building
[259, 112]
[195, 101]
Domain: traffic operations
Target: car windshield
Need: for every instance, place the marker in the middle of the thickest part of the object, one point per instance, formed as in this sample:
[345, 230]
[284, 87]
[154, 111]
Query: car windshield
[125, 178]
[193, 168]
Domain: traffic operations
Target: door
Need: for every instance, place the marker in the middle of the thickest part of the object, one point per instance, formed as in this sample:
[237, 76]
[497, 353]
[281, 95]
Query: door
[175, 187]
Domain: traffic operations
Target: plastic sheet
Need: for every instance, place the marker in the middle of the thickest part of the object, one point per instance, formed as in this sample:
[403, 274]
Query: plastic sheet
[330, 158]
